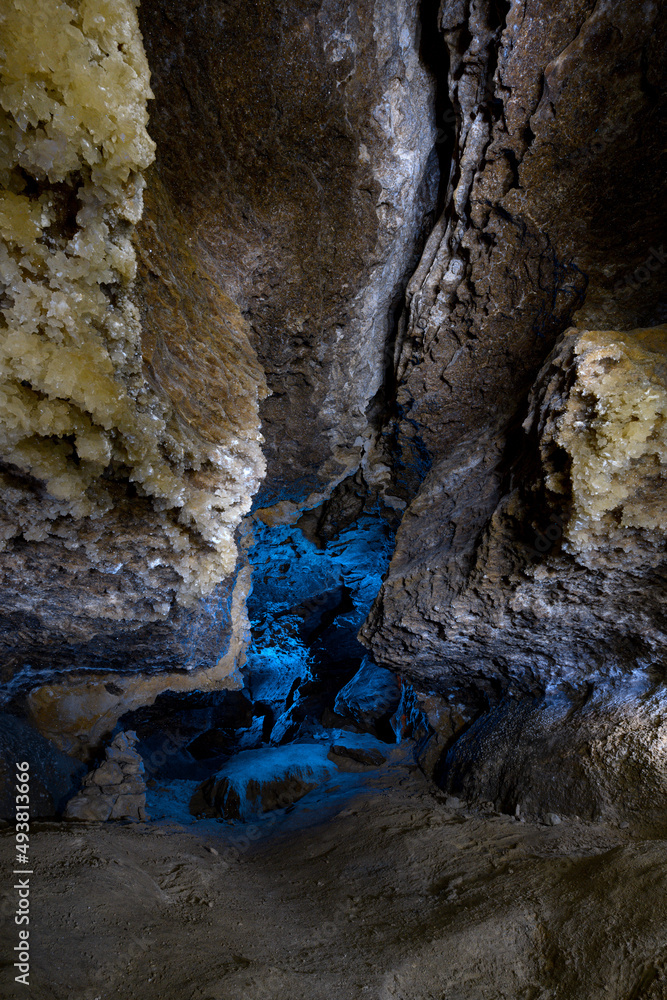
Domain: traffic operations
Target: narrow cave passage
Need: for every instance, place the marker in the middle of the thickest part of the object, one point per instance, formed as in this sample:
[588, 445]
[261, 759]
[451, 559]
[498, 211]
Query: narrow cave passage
[314, 581]
[313, 706]
[333, 446]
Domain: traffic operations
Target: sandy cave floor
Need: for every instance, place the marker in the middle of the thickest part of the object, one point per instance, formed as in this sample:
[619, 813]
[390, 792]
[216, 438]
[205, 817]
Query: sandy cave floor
[370, 887]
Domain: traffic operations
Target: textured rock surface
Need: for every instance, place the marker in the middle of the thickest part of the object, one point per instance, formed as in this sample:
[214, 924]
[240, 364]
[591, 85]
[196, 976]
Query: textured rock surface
[388, 889]
[116, 789]
[554, 114]
[78, 710]
[54, 776]
[259, 781]
[297, 145]
[564, 581]
[602, 757]
[122, 480]
[371, 695]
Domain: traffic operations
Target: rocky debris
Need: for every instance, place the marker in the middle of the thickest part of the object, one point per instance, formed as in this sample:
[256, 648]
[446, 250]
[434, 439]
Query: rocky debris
[355, 758]
[258, 781]
[54, 776]
[371, 696]
[116, 789]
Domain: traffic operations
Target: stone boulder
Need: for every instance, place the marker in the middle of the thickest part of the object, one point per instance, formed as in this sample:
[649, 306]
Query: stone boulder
[599, 757]
[259, 781]
[371, 696]
[352, 758]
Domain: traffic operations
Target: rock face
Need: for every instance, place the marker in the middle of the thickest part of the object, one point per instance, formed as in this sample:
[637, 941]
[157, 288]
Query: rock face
[565, 581]
[370, 696]
[552, 117]
[123, 477]
[116, 789]
[78, 710]
[54, 776]
[296, 148]
[600, 758]
[537, 230]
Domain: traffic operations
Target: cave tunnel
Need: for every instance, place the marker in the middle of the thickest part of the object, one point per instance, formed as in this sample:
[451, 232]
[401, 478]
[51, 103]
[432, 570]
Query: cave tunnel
[333, 414]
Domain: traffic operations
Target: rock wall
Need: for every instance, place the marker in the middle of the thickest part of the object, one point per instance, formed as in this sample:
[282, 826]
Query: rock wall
[565, 581]
[498, 580]
[298, 145]
[554, 201]
[130, 450]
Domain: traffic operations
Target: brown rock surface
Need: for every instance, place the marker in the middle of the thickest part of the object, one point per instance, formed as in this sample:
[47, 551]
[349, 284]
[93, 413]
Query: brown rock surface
[598, 757]
[555, 210]
[388, 889]
[564, 580]
[296, 147]
[556, 198]
[122, 480]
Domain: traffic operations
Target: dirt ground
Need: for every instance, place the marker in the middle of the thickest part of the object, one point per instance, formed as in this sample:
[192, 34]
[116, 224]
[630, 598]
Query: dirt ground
[370, 887]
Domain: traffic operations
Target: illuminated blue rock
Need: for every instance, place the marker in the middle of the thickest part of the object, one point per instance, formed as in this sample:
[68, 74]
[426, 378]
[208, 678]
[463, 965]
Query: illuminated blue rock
[371, 695]
[259, 781]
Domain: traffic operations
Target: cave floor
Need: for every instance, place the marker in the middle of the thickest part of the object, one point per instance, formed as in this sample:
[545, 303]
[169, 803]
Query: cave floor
[372, 887]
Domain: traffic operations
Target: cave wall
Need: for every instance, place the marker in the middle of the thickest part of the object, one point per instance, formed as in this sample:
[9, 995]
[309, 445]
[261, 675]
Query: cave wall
[129, 426]
[554, 216]
[367, 228]
[297, 144]
[564, 582]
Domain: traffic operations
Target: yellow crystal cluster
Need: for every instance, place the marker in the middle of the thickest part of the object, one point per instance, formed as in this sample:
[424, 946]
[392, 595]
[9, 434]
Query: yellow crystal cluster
[76, 409]
[614, 429]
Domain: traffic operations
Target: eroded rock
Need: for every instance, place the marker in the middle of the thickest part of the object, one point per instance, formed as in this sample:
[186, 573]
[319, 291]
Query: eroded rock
[123, 477]
[258, 781]
[370, 696]
[296, 147]
[598, 758]
[54, 776]
[564, 581]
